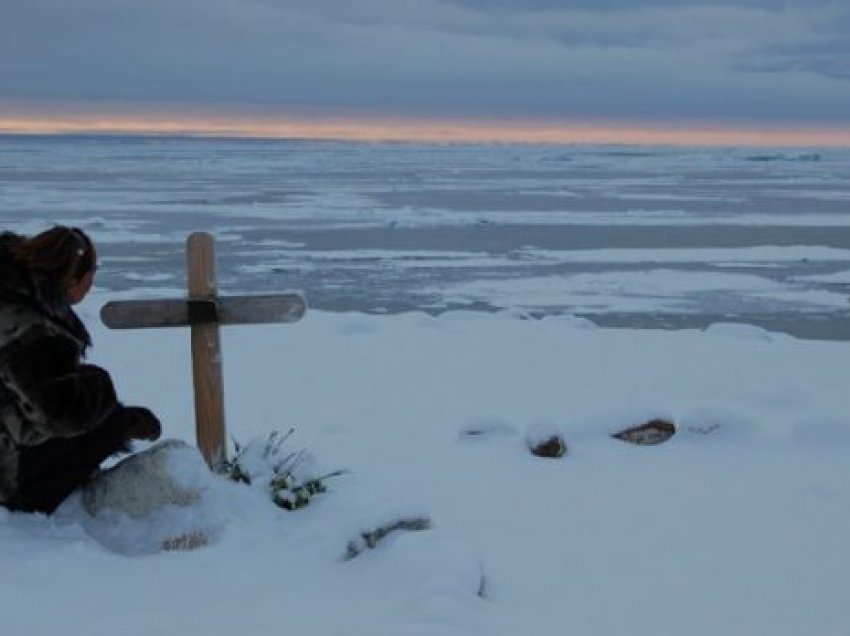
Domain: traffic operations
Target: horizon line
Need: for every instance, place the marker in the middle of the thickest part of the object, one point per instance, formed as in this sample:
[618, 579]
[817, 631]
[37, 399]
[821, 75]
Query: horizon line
[427, 130]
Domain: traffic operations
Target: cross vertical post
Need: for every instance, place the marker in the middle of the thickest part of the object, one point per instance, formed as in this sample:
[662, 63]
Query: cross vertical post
[206, 349]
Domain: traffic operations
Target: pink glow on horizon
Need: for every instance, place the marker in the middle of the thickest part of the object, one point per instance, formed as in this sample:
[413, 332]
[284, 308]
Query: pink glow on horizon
[395, 128]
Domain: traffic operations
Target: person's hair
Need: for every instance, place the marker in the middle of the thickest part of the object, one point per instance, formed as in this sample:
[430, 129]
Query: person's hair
[61, 254]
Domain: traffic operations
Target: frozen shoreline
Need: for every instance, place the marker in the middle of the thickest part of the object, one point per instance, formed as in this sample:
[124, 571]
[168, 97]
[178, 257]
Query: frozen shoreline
[760, 235]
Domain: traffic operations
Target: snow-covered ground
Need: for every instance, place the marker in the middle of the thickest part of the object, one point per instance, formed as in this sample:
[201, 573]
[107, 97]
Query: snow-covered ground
[736, 526]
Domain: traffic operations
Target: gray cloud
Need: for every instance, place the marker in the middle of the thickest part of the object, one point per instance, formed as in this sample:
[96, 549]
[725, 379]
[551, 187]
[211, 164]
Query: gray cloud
[825, 53]
[618, 59]
[829, 59]
[606, 5]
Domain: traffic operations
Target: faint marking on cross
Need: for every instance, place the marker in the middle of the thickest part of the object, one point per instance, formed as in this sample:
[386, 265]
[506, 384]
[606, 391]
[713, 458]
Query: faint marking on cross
[203, 310]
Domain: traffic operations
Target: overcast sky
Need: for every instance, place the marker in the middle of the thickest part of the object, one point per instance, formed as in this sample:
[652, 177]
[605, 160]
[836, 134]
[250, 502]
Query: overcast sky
[724, 61]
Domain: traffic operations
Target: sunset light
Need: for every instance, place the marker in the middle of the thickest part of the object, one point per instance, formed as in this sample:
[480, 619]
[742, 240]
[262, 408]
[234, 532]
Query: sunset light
[408, 129]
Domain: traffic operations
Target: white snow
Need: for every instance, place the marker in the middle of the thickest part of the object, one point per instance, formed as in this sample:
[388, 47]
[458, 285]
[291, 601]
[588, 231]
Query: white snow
[631, 291]
[717, 256]
[737, 526]
[763, 256]
[150, 278]
[842, 277]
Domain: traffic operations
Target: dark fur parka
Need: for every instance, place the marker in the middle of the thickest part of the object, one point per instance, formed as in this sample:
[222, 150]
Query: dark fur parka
[46, 391]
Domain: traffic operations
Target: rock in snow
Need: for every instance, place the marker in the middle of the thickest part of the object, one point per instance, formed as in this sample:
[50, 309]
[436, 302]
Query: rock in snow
[151, 501]
[552, 447]
[653, 432]
[144, 483]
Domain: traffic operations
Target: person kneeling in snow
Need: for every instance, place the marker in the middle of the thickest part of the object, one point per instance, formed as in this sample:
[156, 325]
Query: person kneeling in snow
[59, 417]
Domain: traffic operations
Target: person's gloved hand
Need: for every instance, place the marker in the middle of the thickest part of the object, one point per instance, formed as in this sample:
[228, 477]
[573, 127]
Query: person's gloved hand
[141, 423]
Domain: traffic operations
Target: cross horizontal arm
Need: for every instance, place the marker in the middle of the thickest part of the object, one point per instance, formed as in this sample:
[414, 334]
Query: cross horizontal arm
[231, 310]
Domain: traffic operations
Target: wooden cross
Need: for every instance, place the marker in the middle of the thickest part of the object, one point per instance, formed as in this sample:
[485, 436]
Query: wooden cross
[204, 311]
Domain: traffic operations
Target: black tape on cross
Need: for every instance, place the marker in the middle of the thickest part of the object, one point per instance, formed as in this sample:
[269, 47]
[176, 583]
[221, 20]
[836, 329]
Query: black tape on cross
[202, 311]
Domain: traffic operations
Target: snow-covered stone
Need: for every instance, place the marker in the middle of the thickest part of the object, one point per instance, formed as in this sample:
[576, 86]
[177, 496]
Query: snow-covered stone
[171, 473]
[160, 499]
